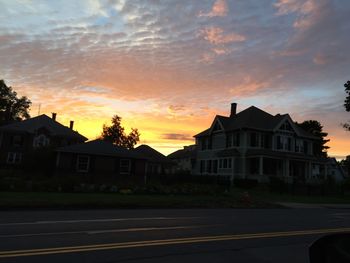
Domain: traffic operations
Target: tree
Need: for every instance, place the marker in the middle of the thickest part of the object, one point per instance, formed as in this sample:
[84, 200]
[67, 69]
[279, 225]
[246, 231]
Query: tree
[12, 108]
[347, 103]
[314, 127]
[116, 134]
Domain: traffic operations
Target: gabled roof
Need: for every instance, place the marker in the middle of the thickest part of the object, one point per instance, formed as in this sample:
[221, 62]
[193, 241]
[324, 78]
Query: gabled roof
[254, 118]
[150, 154]
[42, 121]
[100, 147]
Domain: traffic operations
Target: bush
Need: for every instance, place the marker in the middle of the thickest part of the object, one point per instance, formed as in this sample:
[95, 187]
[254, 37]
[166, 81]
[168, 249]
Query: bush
[277, 185]
[245, 183]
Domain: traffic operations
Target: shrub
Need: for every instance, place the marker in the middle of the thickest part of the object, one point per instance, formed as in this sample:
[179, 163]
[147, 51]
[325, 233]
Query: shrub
[245, 183]
[277, 185]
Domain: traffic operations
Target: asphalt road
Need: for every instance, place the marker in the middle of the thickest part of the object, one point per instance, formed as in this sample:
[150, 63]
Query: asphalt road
[178, 235]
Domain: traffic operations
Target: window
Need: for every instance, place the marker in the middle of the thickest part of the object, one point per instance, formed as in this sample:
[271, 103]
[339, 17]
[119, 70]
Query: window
[83, 163]
[125, 166]
[299, 146]
[266, 141]
[206, 143]
[202, 166]
[229, 165]
[254, 139]
[215, 166]
[289, 144]
[236, 139]
[41, 141]
[225, 164]
[286, 126]
[284, 143]
[208, 166]
[279, 144]
[14, 158]
[306, 150]
[220, 163]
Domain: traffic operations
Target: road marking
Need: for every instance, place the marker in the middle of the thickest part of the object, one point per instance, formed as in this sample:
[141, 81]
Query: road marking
[162, 242]
[96, 220]
[104, 231]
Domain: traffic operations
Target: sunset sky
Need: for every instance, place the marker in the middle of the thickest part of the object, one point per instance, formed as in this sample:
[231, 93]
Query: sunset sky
[168, 66]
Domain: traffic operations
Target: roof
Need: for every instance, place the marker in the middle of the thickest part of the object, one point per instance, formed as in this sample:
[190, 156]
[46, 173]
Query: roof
[100, 147]
[150, 154]
[42, 121]
[187, 152]
[253, 118]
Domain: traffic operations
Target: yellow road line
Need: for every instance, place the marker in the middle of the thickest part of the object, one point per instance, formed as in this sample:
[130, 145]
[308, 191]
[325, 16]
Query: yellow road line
[162, 242]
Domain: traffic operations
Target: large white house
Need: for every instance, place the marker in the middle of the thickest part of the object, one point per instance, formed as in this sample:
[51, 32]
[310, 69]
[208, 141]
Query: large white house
[255, 144]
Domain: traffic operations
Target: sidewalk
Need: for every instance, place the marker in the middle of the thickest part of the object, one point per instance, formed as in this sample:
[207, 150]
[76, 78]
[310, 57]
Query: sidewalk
[307, 205]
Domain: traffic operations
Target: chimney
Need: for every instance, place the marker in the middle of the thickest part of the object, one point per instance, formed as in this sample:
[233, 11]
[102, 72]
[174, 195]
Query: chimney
[54, 114]
[233, 109]
[71, 124]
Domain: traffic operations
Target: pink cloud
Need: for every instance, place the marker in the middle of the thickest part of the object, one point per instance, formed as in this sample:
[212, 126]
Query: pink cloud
[308, 11]
[219, 8]
[216, 36]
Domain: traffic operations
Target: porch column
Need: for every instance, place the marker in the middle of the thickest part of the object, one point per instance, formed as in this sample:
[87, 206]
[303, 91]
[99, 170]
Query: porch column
[261, 165]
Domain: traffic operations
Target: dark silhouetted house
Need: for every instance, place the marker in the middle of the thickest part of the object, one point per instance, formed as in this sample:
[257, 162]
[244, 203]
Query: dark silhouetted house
[19, 139]
[100, 158]
[184, 159]
[157, 163]
[335, 170]
[255, 144]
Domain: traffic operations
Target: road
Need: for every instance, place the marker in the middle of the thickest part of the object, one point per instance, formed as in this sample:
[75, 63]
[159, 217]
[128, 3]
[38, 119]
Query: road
[177, 235]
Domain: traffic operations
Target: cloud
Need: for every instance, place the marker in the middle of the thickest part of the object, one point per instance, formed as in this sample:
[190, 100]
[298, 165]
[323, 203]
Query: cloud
[309, 12]
[216, 36]
[165, 69]
[177, 136]
[219, 8]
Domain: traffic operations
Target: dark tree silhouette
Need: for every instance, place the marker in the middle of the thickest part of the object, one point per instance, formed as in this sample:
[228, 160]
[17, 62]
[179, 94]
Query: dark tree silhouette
[116, 134]
[347, 103]
[12, 108]
[315, 128]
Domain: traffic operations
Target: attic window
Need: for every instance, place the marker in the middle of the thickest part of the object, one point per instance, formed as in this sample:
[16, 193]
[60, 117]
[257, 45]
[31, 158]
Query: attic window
[286, 126]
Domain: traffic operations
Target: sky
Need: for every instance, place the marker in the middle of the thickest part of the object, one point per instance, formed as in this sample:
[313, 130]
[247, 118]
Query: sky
[167, 67]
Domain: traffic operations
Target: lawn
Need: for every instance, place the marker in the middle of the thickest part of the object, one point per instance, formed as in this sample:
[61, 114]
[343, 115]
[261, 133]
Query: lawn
[10, 200]
[237, 198]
